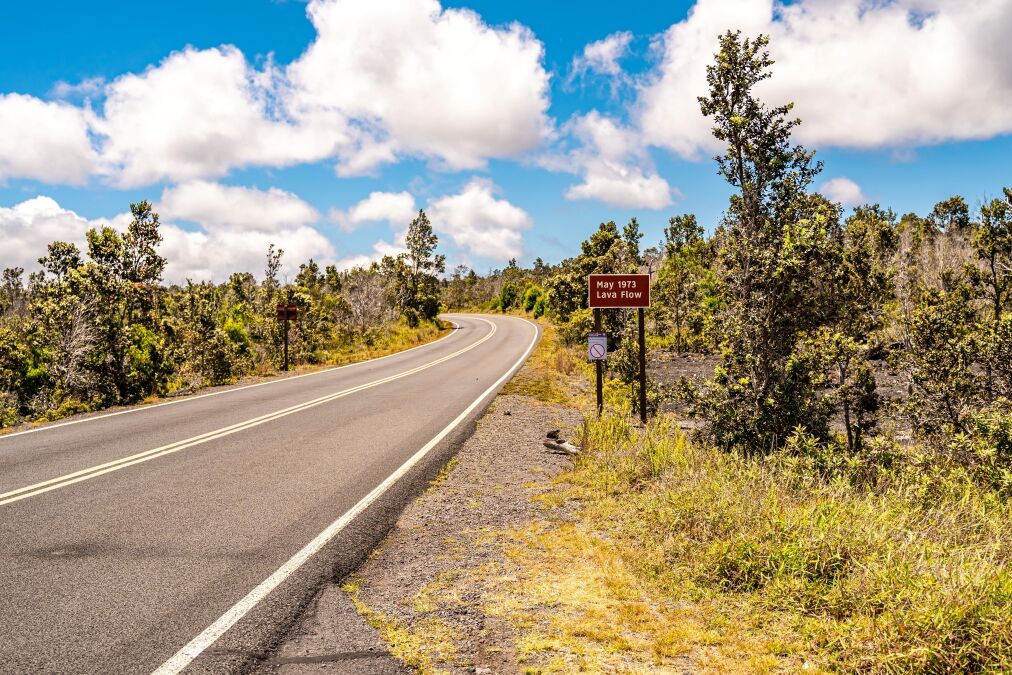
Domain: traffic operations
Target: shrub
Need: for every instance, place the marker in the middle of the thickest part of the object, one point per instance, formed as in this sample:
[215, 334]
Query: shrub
[987, 448]
[508, 296]
[540, 307]
[532, 295]
[579, 326]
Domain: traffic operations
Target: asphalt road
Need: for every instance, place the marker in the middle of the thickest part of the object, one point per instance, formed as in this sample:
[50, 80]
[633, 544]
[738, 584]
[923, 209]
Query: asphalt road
[129, 537]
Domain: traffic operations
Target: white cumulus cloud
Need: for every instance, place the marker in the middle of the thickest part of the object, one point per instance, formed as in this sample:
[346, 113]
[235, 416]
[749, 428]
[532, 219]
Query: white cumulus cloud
[614, 165]
[396, 208]
[843, 190]
[602, 57]
[211, 252]
[86, 88]
[622, 186]
[422, 80]
[380, 249]
[863, 74]
[26, 229]
[382, 81]
[480, 224]
[235, 207]
[236, 225]
[200, 113]
[44, 141]
[214, 253]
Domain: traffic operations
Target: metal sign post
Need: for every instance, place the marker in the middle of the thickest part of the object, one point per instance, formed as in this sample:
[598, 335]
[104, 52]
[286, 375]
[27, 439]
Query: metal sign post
[287, 313]
[597, 351]
[643, 368]
[620, 291]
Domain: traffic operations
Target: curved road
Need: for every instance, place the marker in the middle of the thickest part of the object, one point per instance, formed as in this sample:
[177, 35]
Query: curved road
[187, 536]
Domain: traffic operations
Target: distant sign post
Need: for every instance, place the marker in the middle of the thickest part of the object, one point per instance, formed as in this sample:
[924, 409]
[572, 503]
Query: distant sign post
[286, 313]
[619, 291]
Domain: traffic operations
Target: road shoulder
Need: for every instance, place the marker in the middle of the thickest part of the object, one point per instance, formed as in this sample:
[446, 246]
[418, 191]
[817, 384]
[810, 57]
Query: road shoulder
[423, 591]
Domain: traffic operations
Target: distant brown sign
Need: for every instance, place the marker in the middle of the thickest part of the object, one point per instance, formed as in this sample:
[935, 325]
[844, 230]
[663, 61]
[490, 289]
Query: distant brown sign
[290, 312]
[606, 291]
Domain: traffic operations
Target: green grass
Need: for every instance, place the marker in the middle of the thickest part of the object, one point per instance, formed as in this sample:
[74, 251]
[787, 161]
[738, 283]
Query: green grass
[547, 374]
[421, 647]
[394, 338]
[909, 573]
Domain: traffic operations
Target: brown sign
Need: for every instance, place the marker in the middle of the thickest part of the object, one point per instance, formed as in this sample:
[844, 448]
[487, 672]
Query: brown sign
[289, 312]
[606, 291]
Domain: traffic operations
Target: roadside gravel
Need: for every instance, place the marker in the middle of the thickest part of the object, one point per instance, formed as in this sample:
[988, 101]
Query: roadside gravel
[416, 587]
[442, 535]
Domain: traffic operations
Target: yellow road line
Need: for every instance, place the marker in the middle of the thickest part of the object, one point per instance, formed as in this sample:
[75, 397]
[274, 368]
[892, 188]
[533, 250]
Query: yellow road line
[148, 455]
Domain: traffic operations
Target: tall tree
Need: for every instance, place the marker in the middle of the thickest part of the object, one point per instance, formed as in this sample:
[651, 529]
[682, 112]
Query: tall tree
[632, 236]
[775, 257]
[992, 245]
[991, 242]
[424, 264]
[682, 268]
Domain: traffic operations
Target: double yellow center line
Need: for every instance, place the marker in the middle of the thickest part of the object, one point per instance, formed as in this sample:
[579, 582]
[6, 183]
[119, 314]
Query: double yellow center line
[116, 465]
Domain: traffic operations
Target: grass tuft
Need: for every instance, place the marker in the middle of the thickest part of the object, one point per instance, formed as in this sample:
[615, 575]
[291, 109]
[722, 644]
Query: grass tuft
[422, 648]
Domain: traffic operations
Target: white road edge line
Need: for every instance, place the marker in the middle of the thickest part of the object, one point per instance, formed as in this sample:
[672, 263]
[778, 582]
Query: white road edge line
[187, 399]
[148, 455]
[185, 656]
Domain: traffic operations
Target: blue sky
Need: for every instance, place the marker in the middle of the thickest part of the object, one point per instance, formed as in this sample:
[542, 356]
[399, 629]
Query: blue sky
[518, 126]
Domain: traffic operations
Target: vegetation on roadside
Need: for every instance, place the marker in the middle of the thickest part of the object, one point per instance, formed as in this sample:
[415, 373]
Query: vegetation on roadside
[419, 649]
[97, 328]
[875, 567]
[545, 376]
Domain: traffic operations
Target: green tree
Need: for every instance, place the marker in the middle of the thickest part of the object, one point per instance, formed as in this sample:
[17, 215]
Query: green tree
[992, 245]
[991, 276]
[861, 289]
[458, 291]
[100, 316]
[124, 274]
[677, 285]
[950, 215]
[775, 259]
[66, 335]
[632, 236]
[946, 389]
[422, 297]
[606, 251]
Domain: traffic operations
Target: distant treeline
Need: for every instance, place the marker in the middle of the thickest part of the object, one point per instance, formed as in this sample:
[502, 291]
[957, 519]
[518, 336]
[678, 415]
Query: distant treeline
[97, 328]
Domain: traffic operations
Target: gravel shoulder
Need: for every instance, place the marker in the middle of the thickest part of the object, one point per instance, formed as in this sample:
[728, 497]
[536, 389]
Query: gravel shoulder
[420, 595]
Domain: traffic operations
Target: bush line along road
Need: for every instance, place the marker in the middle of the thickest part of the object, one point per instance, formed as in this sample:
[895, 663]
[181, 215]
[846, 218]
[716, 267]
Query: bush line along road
[131, 542]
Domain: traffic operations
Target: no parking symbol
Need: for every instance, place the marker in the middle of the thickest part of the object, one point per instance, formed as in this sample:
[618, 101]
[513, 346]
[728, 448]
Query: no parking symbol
[597, 346]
